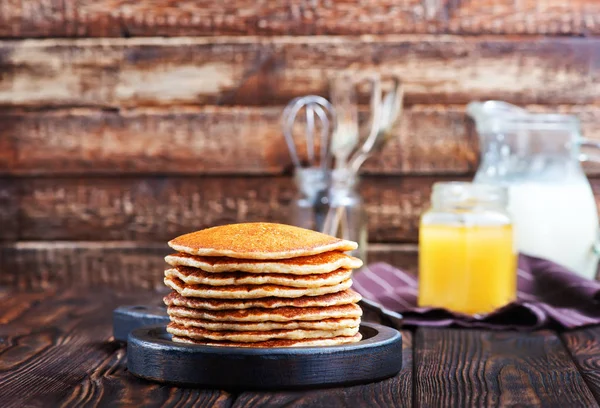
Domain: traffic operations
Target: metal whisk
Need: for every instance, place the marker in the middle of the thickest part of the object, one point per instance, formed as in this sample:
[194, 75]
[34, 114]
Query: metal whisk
[312, 105]
[313, 178]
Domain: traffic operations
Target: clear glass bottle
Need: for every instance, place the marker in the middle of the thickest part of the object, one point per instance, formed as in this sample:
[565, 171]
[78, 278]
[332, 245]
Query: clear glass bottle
[329, 202]
[467, 259]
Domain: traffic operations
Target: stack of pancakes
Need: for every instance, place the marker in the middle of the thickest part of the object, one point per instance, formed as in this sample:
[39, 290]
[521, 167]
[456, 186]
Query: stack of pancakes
[262, 285]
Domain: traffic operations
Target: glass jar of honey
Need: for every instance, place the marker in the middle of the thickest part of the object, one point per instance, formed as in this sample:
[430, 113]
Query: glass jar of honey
[467, 259]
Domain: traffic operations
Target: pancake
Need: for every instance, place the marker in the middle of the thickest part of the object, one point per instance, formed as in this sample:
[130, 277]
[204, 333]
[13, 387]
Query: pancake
[345, 297]
[193, 276]
[250, 291]
[258, 240]
[332, 341]
[252, 336]
[303, 265]
[281, 314]
[325, 324]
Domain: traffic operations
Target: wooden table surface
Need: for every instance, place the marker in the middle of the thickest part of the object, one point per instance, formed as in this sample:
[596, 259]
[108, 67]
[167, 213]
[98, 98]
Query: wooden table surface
[56, 349]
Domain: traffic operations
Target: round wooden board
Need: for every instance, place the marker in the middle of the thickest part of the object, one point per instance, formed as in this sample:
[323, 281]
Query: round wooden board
[128, 318]
[152, 355]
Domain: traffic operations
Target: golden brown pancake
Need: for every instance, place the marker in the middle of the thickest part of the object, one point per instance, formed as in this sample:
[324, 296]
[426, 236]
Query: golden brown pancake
[194, 276]
[258, 240]
[325, 324]
[345, 297]
[281, 314]
[332, 341]
[250, 291]
[255, 336]
[302, 265]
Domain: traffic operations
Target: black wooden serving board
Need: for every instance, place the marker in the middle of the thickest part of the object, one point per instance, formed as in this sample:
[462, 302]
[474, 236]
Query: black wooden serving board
[152, 355]
[128, 318]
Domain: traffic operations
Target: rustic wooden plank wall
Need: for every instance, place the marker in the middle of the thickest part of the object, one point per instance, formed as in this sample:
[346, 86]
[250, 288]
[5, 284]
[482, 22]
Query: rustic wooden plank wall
[116, 18]
[125, 123]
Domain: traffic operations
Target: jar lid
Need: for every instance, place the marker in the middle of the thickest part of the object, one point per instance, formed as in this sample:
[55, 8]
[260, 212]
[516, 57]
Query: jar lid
[468, 195]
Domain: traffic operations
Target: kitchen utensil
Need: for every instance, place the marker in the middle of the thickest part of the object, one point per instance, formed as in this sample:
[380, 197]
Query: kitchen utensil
[347, 144]
[537, 157]
[386, 115]
[313, 178]
[343, 98]
[345, 216]
[317, 156]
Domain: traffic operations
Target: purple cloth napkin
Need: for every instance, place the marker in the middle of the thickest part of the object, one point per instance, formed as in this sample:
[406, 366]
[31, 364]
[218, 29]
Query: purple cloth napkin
[548, 296]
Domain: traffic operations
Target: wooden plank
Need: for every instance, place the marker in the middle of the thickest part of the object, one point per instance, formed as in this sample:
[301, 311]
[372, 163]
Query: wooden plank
[258, 71]
[482, 368]
[156, 209]
[124, 266]
[229, 140]
[219, 140]
[160, 208]
[584, 346]
[9, 209]
[394, 392]
[59, 351]
[105, 18]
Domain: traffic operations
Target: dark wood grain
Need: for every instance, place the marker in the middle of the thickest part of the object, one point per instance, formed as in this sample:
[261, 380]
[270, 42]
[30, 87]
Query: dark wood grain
[394, 392]
[160, 208]
[481, 368]
[109, 18]
[250, 71]
[111, 385]
[56, 350]
[9, 208]
[26, 266]
[118, 265]
[227, 140]
[220, 140]
[150, 209]
[584, 346]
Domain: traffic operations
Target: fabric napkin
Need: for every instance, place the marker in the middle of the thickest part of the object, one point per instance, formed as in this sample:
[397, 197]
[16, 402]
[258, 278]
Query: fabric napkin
[548, 296]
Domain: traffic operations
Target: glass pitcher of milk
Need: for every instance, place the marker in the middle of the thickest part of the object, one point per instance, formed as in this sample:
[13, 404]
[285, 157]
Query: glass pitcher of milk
[537, 157]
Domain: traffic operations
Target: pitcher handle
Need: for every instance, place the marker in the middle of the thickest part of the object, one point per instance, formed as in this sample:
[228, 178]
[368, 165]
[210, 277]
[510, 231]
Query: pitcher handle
[596, 246]
[589, 143]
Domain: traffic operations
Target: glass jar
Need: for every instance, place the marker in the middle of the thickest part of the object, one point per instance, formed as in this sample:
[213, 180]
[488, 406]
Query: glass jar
[328, 202]
[467, 259]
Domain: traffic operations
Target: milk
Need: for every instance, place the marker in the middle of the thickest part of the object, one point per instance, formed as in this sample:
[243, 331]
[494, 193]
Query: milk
[556, 221]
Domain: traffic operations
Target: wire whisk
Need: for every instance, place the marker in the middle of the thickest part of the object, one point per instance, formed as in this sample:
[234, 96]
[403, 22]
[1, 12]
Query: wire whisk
[314, 107]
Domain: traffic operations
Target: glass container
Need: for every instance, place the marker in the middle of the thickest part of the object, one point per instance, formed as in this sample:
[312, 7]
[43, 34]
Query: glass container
[537, 158]
[467, 260]
[328, 202]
